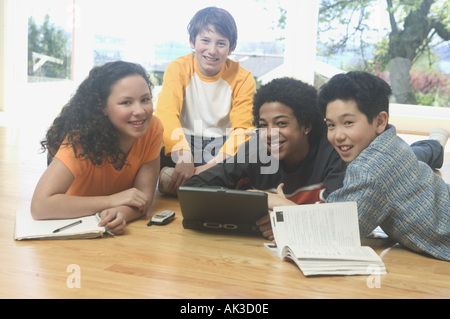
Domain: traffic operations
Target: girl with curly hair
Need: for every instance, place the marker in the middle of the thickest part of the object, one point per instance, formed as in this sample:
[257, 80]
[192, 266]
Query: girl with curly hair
[105, 145]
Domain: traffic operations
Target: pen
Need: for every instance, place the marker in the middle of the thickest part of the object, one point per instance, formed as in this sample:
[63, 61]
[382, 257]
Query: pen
[68, 226]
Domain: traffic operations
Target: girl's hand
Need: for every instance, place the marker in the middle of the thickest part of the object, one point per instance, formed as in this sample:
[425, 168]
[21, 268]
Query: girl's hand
[113, 220]
[131, 197]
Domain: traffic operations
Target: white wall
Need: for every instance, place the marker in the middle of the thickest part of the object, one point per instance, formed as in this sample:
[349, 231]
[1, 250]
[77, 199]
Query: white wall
[2, 53]
[418, 119]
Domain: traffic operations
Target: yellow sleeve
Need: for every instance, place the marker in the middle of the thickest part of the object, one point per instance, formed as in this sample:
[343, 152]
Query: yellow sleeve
[241, 115]
[170, 103]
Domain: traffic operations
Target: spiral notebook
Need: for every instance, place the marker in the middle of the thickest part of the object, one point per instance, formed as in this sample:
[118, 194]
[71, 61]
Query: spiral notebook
[27, 228]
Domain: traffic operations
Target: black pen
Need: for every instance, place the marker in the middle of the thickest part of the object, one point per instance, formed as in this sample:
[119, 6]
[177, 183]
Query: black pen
[68, 226]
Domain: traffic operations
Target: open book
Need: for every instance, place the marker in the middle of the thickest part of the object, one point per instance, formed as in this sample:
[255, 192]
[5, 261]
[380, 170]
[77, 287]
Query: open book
[323, 239]
[77, 228]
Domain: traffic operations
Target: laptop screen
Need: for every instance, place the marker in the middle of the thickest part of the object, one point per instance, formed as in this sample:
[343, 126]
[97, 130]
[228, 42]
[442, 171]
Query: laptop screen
[221, 209]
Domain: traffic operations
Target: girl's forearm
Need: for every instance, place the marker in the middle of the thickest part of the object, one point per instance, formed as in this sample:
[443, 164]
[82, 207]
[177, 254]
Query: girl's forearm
[61, 206]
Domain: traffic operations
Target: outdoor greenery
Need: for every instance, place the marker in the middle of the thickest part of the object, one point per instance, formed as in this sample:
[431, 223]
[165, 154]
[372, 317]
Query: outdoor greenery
[403, 51]
[405, 57]
[49, 45]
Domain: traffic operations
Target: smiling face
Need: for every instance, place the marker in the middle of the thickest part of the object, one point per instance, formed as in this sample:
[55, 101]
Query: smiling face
[130, 108]
[349, 130]
[211, 49]
[286, 139]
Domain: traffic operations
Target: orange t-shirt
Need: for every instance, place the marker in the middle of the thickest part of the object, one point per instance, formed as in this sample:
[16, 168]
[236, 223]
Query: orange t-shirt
[101, 180]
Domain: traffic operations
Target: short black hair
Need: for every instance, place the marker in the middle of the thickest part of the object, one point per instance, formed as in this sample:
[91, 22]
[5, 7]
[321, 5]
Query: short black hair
[297, 95]
[222, 21]
[370, 93]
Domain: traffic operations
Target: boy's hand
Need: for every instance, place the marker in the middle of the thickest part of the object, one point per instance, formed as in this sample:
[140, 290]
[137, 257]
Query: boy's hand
[278, 199]
[219, 158]
[184, 169]
[203, 168]
[265, 227]
[181, 174]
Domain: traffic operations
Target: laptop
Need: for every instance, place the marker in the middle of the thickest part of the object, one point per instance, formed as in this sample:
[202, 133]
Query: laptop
[221, 209]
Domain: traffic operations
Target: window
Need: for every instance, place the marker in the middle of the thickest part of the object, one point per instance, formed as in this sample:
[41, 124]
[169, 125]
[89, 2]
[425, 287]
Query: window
[49, 40]
[85, 33]
[406, 44]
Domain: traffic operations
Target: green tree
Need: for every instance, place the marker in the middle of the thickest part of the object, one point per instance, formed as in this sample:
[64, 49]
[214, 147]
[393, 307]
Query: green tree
[50, 41]
[413, 26]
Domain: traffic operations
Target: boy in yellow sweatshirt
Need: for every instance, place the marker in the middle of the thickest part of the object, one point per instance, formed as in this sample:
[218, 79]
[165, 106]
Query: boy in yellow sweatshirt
[206, 101]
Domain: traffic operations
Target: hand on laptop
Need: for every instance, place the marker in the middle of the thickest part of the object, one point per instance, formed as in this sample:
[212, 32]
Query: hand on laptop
[278, 199]
[182, 173]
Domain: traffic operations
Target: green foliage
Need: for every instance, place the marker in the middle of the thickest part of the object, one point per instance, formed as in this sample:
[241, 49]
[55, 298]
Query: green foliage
[381, 54]
[431, 87]
[415, 26]
[432, 100]
[349, 23]
[341, 22]
[50, 41]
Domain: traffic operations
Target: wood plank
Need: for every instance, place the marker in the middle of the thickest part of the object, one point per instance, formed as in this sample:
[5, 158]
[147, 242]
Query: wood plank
[172, 262]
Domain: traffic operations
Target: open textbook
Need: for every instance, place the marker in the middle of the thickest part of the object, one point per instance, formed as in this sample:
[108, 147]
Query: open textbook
[28, 228]
[323, 239]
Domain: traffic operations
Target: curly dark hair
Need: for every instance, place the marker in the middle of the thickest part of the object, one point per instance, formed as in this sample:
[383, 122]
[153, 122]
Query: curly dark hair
[82, 120]
[299, 96]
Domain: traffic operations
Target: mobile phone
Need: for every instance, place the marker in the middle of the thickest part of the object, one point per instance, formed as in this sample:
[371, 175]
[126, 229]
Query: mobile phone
[162, 218]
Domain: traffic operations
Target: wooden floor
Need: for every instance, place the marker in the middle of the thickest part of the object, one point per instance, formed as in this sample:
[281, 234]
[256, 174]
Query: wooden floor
[169, 261]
